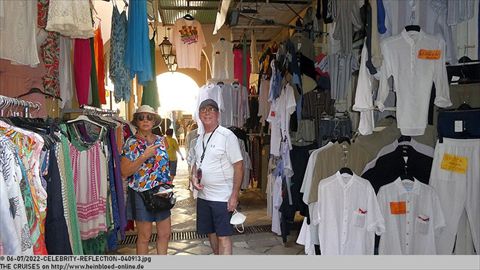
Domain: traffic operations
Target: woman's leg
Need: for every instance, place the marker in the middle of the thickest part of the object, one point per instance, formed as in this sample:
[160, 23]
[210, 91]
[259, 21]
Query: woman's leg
[164, 229]
[144, 229]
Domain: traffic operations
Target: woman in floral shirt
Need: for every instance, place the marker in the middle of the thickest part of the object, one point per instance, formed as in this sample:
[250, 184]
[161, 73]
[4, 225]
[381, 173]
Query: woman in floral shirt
[145, 165]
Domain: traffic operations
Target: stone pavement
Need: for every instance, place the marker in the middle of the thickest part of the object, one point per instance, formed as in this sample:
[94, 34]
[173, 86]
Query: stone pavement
[252, 204]
[246, 244]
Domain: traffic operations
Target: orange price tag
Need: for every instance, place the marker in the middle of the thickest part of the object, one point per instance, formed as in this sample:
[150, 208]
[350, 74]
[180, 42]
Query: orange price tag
[429, 54]
[398, 208]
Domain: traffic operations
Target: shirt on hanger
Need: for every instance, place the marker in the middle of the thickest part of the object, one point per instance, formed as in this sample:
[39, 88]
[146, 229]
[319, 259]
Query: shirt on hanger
[390, 166]
[222, 60]
[279, 118]
[419, 147]
[189, 41]
[348, 216]
[413, 215]
[416, 61]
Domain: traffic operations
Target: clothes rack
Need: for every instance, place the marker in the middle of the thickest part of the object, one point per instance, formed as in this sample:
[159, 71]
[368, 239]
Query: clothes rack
[14, 104]
[91, 110]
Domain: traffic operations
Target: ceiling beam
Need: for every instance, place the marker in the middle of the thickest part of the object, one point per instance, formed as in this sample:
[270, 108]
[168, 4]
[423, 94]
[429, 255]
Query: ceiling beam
[256, 26]
[162, 14]
[187, 8]
[290, 2]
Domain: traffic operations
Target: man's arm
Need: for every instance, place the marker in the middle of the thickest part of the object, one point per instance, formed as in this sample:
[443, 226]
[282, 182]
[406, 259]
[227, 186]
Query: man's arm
[237, 182]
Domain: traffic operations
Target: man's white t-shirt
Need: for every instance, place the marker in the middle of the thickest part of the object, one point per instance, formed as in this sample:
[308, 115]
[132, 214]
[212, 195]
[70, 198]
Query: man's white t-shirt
[221, 152]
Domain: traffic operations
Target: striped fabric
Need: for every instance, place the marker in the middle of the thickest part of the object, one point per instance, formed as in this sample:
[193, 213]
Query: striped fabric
[89, 176]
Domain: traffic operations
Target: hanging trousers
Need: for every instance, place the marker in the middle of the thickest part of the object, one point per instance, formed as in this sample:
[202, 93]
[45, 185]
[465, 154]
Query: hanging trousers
[456, 178]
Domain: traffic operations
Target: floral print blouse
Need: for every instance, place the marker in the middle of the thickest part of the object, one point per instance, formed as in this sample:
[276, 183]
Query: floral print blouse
[152, 172]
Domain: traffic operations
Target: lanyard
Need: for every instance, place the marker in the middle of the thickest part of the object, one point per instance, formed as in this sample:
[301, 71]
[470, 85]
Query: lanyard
[205, 146]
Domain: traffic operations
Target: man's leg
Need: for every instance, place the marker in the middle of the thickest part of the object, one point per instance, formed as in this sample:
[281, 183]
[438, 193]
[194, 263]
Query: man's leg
[224, 245]
[214, 240]
[223, 228]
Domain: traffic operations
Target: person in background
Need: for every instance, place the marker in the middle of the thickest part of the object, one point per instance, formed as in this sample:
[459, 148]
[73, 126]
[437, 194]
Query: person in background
[172, 150]
[190, 141]
[217, 175]
[181, 135]
[144, 164]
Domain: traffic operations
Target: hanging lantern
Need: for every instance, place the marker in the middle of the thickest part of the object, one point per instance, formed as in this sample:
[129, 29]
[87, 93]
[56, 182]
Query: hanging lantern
[165, 48]
[171, 59]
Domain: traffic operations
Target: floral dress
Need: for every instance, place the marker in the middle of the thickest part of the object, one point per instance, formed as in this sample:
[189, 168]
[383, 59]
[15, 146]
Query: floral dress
[152, 172]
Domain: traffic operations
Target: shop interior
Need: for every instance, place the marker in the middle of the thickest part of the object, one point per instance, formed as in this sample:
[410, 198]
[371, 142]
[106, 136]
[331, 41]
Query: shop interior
[385, 92]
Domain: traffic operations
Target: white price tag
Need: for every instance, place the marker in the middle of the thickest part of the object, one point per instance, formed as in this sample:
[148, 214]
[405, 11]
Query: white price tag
[459, 126]
[455, 78]
[299, 45]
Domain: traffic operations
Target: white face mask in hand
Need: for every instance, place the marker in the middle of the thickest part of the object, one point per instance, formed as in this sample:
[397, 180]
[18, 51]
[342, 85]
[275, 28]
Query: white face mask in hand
[237, 220]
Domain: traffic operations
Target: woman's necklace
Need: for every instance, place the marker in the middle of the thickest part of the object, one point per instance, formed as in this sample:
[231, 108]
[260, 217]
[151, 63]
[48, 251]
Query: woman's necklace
[149, 138]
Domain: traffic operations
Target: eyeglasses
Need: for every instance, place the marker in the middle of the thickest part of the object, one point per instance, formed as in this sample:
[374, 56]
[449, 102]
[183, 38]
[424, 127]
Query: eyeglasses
[207, 109]
[142, 117]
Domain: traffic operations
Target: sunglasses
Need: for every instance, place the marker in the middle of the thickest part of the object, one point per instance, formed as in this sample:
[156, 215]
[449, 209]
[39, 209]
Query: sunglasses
[142, 117]
[207, 109]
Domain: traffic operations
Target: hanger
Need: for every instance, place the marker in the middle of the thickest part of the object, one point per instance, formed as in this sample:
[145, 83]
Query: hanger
[222, 39]
[85, 118]
[37, 90]
[220, 83]
[404, 139]
[412, 27]
[188, 17]
[344, 139]
[345, 168]
[464, 106]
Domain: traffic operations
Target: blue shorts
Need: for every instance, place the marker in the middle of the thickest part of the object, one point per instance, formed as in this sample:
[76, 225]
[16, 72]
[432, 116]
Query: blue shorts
[213, 217]
[173, 167]
[141, 213]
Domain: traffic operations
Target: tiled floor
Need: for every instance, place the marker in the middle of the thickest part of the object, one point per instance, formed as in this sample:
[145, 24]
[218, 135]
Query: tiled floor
[252, 204]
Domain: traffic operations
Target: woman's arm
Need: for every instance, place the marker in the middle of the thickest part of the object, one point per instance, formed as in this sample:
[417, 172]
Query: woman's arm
[129, 167]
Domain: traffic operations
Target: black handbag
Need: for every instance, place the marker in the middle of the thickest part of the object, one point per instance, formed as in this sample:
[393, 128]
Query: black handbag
[155, 202]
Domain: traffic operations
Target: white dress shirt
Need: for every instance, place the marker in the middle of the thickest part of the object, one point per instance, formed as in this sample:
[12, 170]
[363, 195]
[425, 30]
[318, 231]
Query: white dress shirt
[413, 78]
[348, 215]
[413, 215]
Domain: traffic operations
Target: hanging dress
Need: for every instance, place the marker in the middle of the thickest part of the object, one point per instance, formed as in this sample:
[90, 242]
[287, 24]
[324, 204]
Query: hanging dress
[118, 70]
[100, 64]
[82, 64]
[89, 175]
[150, 90]
[137, 52]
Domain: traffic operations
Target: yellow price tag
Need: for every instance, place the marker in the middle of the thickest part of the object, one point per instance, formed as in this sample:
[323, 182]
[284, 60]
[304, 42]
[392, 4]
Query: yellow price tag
[454, 163]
